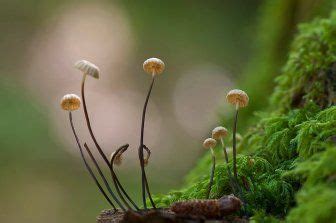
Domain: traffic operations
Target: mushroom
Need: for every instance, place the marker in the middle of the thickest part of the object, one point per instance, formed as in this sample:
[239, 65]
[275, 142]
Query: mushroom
[210, 143]
[153, 66]
[239, 99]
[219, 133]
[88, 68]
[71, 102]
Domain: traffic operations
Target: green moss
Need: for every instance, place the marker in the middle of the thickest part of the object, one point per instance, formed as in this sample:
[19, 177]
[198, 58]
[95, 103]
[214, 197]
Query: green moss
[316, 204]
[277, 24]
[318, 195]
[264, 218]
[286, 166]
[309, 73]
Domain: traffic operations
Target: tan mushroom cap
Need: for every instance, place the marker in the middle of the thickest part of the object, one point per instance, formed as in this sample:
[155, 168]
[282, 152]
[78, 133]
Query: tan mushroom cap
[153, 66]
[209, 143]
[70, 102]
[237, 97]
[88, 68]
[219, 132]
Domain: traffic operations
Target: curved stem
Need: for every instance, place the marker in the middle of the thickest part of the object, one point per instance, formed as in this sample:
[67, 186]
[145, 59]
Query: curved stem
[103, 177]
[88, 166]
[144, 183]
[234, 149]
[148, 152]
[212, 173]
[116, 181]
[89, 124]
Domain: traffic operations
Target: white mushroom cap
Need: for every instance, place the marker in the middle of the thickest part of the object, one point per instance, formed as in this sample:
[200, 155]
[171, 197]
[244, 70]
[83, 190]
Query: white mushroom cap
[88, 68]
[219, 132]
[237, 97]
[153, 66]
[70, 102]
[209, 143]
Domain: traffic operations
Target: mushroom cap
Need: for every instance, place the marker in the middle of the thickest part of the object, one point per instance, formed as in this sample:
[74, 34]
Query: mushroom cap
[88, 68]
[219, 132]
[70, 102]
[237, 97]
[153, 66]
[118, 158]
[209, 143]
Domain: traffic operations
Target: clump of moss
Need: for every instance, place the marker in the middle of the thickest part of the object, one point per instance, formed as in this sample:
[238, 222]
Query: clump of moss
[287, 164]
[276, 26]
[315, 204]
[309, 73]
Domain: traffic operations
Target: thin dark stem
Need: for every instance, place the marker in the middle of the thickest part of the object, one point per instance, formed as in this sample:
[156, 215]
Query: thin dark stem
[234, 149]
[88, 166]
[103, 178]
[232, 184]
[211, 174]
[116, 185]
[147, 186]
[225, 152]
[144, 183]
[89, 124]
[116, 181]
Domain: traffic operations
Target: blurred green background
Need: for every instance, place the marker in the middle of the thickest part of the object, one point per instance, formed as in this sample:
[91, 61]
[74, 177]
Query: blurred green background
[209, 47]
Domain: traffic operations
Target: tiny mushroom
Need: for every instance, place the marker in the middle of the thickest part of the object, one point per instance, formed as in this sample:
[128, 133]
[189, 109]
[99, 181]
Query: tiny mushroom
[237, 97]
[240, 99]
[153, 66]
[220, 133]
[70, 102]
[210, 143]
[88, 68]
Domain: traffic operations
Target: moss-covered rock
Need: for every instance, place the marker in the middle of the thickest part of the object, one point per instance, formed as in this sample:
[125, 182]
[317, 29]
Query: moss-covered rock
[287, 167]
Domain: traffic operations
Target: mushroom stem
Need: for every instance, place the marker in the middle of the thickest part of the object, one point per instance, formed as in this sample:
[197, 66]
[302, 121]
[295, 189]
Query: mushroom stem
[89, 124]
[234, 148]
[144, 182]
[232, 184]
[211, 173]
[225, 152]
[116, 181]
[103, 177]
[88, 166]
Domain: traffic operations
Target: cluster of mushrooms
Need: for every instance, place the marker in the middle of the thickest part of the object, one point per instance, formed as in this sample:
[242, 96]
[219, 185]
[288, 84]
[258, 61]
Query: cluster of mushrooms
[72, 102]
[239, 99]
